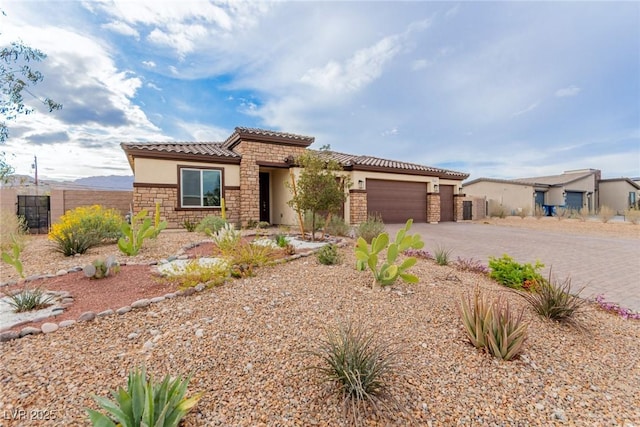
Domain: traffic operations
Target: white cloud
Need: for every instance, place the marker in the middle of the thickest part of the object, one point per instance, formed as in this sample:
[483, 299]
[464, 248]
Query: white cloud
[526, 110]
[568, 91]
[203, 132]
[153, 86]
[362, 68]
[149, 64]
[420, 64]
[121, 28]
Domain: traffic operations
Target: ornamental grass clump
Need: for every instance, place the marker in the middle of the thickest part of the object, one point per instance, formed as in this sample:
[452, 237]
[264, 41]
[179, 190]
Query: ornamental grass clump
[226, 238]
[28, 300]
[145, 403]
[555, 301]
[442, 255]
[493, 327]
[371, 228]
[359, 365]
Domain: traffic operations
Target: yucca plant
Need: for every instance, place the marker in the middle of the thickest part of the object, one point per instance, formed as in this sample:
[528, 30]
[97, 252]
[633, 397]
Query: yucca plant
[145, 403]
[359, 365]
[507, 332]
[28, 299]
[555, 301]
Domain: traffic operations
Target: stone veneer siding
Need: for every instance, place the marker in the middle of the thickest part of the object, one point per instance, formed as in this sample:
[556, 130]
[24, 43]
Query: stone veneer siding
[357, 206]
[433, 207]
[252, 153]
[458, 213]
[146, 197]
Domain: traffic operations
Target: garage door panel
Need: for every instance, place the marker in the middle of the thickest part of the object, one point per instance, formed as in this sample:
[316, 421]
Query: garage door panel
[397, 201]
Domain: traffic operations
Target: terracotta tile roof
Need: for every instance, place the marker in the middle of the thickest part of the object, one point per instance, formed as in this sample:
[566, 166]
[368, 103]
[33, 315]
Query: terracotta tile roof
[247, 133]
[355, 161]
[203, 148]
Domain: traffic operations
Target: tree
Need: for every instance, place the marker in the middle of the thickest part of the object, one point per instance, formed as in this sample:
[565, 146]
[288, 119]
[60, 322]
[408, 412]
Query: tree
[319, 188]
[18, 77]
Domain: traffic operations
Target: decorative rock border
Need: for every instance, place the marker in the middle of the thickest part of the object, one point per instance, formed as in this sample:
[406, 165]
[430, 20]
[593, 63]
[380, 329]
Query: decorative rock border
[50, 327]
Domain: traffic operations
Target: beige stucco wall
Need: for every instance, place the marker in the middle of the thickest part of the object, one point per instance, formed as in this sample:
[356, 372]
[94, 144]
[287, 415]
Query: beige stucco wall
[554, 196]
[160, 171]
[615, 194]
[281, 212]
[585, 184]
[508, 197]
[430, 180]
[8, 200]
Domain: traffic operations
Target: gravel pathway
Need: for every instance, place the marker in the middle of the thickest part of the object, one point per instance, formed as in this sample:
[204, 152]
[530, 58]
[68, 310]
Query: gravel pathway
[245, 344]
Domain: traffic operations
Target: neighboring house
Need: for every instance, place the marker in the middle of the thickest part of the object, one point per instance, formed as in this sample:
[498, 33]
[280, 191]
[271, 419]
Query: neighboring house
[250, 171]
[619, 194]
[572, 190]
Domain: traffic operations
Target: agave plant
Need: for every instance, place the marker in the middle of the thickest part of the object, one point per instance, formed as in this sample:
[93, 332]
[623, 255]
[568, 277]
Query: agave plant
[493, 327]
[476, 317]
[145, 403]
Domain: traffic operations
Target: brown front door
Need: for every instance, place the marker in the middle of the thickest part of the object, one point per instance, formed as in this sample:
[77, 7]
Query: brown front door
[264, 197]
[446, 203]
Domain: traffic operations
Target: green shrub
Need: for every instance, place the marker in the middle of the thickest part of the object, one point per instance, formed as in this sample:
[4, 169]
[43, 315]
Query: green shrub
[189, 225]
[389, 271]
[359, 364]
[328, 255]
[28, 299]
[493, 327]
[281, 240]
[138, 231]
[210, 224]
[508, 272]
[145, 403]
[369, 229]
[555, 301]
[442, 255]
[337, 227]
[197, 271]
[84, 227]
[101, 268]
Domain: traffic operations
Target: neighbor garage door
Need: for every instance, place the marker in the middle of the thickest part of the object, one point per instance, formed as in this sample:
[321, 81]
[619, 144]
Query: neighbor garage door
[397, 201]
[573, 200]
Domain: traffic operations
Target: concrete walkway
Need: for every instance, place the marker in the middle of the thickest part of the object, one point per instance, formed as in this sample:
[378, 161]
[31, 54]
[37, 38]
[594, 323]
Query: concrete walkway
[603, 265]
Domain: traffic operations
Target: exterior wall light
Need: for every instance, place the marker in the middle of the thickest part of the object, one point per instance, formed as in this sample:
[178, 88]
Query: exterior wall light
[361, 184]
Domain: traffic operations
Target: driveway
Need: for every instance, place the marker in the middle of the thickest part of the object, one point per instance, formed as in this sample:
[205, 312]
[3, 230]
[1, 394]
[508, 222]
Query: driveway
[603, 265]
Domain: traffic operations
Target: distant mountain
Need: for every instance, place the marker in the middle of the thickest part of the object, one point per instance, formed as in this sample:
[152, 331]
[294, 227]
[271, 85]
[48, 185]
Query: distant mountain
[111, 182]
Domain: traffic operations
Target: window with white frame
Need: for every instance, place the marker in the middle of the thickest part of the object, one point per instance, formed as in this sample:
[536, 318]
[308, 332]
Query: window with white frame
[200, 188]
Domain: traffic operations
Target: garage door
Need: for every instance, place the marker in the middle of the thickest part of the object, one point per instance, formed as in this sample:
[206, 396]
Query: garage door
[446, 203]
[573, 200]
[397, 201]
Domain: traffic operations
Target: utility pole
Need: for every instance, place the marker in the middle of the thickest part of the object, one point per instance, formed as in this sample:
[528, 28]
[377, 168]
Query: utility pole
[35, 166]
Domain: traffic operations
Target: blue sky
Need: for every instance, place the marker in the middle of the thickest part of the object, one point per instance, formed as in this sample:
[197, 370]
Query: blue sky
[495, 89]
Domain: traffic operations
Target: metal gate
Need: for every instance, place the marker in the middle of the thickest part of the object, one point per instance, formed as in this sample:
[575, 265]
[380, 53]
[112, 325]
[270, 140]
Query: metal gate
[467, 210]
[36, 212]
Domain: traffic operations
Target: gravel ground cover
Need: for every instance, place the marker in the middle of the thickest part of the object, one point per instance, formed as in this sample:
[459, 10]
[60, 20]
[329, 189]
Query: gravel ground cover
[246, 345]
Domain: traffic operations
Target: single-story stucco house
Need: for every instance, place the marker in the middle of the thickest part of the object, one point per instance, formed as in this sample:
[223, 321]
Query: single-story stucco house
[619, 194]
[575, 189]
[249, 170]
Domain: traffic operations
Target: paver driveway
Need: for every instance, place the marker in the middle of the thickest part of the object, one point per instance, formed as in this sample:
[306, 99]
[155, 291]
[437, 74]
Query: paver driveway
[603, 265]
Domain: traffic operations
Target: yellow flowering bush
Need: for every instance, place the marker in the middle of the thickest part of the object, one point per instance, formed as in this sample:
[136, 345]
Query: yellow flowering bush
[84, 227]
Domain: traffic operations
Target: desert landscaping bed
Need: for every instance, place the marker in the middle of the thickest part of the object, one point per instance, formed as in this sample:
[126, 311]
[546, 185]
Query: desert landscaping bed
[245, 343]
